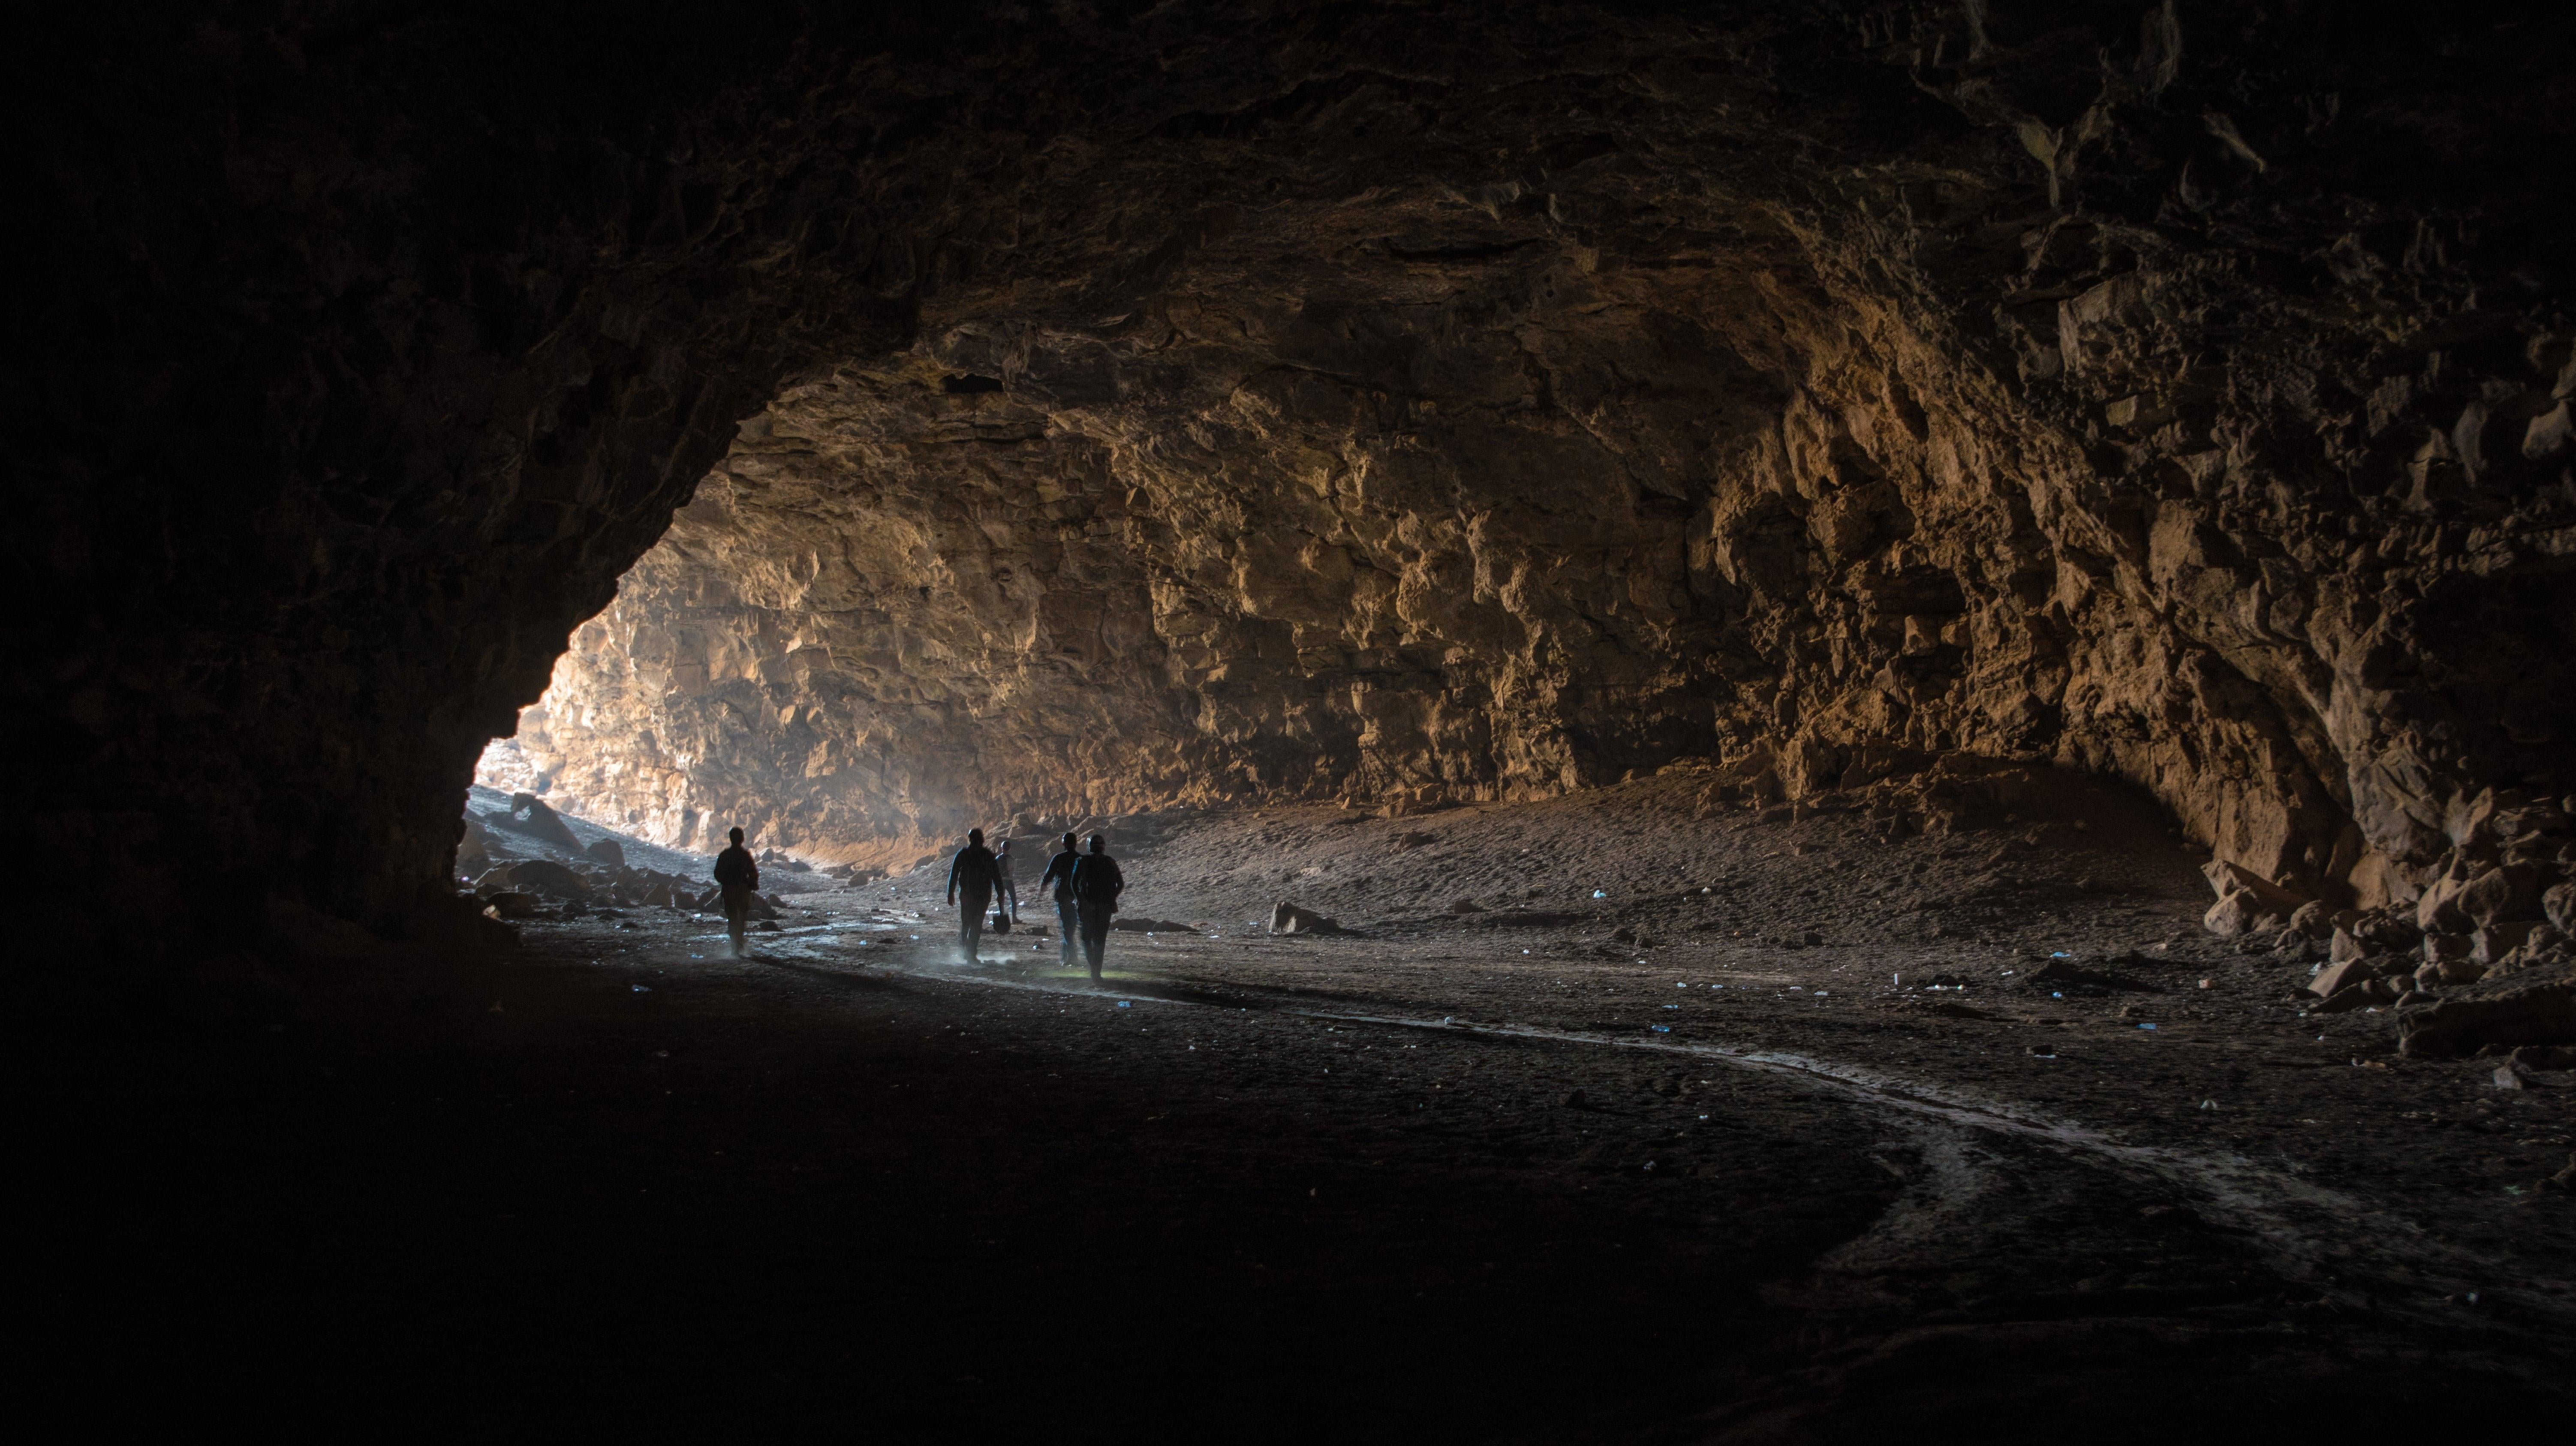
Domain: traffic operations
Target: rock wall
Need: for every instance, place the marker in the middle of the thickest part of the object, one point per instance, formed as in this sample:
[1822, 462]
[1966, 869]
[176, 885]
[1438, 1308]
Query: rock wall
[1406, 400]
[2109, 420]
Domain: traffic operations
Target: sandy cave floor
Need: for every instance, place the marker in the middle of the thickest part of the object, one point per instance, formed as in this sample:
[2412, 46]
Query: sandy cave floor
[1646, 1165]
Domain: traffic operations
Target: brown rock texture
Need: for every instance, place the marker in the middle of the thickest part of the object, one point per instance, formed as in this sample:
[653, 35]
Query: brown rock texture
[1401, 403]
[1501, 429]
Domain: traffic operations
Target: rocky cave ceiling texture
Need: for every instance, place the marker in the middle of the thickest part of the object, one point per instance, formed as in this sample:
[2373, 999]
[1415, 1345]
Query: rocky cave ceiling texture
[1181, 404]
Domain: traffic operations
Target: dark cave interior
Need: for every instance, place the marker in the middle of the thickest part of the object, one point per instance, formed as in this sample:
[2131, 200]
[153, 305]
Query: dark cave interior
[1968, 440]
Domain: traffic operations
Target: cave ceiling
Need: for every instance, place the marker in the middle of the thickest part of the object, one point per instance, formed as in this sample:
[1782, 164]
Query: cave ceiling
[962, 415]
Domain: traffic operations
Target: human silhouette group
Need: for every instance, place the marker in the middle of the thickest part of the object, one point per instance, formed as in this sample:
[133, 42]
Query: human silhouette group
[1085, 881]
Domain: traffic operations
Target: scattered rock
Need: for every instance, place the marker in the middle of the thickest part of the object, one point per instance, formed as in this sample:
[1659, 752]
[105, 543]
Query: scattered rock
[1466, 906]
[2546, 1056]
[509, 904]
[608, 851]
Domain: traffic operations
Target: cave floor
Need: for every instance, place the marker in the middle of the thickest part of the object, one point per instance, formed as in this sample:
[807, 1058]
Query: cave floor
[1498, 1175]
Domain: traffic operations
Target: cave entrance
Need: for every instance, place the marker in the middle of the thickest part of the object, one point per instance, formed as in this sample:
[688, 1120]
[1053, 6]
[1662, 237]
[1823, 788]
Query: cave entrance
[1453, 522]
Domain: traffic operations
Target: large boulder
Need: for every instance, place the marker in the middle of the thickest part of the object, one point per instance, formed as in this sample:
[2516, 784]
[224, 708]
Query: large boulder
[2499, 895]
[2336, 978]
[2247, 903]
[535, 876]
[2543, 1013]
[473, 850]
[2560, 906]
[1291, 919]
[2468, 894]
[530, 815]
[608, 851]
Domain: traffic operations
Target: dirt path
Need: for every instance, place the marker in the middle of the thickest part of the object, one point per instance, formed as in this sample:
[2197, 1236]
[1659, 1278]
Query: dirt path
[1406, 1182]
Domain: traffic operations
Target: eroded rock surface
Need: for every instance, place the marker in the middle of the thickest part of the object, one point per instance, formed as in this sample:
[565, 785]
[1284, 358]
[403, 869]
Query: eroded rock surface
[1528, 419]
[1404, 402]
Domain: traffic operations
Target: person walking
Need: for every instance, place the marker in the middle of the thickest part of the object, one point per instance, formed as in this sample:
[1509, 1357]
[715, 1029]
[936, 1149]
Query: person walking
[1007, 889]
[970, 886]
[738, 876]
[1096, 886]
[1068, 914]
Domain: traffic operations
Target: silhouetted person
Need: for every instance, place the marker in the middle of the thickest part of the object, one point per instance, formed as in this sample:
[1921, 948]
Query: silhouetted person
[739, 877]
[1007, 889]
[1096, 886]
[1068, 914]
[971, 876]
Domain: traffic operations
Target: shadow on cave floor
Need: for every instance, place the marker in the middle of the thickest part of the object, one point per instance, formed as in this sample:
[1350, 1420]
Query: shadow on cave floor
[618, 1182]
[930, 1209]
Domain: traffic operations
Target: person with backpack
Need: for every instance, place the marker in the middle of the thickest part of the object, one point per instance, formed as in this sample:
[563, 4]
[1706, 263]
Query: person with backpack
[1097, 883]
[971, 877]
[1068, 914]
[739, 878]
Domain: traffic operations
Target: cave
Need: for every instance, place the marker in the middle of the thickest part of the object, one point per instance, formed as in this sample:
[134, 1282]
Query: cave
[1890, 679]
